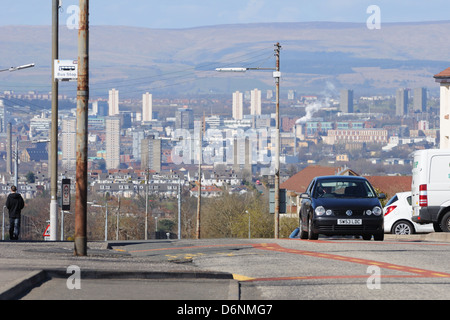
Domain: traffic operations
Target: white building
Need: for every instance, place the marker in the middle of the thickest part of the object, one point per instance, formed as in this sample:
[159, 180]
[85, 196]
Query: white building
[112, 157]
[255, 102]
[69, 148]
[40, 127]
[113, 102]
[444, 79]
[378, 136]
[238, 105]
[147, 107]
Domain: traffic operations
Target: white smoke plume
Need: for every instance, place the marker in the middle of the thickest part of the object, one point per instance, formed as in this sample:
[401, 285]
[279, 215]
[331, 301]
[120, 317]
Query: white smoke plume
[314, 107]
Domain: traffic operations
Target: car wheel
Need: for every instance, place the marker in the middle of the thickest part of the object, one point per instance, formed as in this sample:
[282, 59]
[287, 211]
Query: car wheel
[445, 222]
[378, 236]
[437, 227]
[311, 234]
[403, 227]
[303, 233]
[367, 236]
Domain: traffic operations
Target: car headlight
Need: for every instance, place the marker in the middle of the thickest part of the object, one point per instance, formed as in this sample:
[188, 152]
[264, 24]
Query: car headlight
[377, 211]
[319, 210]
[329, 212]
[368, 212]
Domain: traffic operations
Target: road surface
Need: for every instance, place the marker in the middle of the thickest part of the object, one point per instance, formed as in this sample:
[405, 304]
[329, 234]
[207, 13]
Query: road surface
[284, 269]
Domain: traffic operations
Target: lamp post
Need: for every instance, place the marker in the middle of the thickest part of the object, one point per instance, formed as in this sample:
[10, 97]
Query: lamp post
[25, 66]
[146, 204]
[53, 159]
[249, 224]
[3, 223]
[92, 204]
[179, 209]
[11, 69]
[276, 76]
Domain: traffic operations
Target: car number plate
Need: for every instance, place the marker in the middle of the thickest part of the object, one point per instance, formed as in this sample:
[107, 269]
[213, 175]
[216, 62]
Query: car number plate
[349, 222]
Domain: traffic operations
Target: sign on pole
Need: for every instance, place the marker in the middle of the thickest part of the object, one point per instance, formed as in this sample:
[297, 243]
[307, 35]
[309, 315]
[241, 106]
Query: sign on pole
[281, 201]
[65, 195]
[47, 232]
[66, 70]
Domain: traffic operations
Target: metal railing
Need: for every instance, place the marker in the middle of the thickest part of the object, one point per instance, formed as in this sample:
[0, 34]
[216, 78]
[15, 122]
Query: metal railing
[25, 226]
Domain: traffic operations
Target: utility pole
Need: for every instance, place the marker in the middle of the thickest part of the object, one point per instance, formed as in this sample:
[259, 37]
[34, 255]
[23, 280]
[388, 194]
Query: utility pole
[179, 209]
[16, 164]
[82, 128]
[54, 133]
[146, 203]
[9, 150]
[277, 76]
[106, 221]
[199, 199]
[118, 216]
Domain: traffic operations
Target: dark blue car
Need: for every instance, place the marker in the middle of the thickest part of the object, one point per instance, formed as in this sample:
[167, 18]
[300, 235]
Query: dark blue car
[341, 205]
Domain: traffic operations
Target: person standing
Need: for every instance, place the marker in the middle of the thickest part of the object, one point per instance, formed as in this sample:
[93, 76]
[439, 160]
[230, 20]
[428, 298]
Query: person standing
[14, 204]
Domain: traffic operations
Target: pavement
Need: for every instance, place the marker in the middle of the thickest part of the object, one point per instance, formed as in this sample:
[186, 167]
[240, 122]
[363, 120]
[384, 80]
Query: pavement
[25, 265]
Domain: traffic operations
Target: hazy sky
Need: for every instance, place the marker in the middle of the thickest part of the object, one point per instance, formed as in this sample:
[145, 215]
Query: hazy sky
[194, 13]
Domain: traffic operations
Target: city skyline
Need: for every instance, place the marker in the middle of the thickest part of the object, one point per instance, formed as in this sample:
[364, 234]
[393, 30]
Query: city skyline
[243, 11]
[355, 90]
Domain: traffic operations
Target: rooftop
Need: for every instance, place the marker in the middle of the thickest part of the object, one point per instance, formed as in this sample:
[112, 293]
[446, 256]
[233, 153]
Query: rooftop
[389, 185]
[443, 76]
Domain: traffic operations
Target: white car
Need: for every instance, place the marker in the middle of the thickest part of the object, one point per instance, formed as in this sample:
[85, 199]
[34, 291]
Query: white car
[397, 216]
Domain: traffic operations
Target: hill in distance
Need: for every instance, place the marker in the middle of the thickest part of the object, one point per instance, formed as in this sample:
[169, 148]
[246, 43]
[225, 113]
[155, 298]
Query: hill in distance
[182, 61]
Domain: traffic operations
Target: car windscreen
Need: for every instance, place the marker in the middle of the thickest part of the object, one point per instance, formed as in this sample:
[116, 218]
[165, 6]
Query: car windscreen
[343, 189]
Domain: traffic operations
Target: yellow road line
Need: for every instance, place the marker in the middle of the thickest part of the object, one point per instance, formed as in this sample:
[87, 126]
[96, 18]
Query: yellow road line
[241, 277]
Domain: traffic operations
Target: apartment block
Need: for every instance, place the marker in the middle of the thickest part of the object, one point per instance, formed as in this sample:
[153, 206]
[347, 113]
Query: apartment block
[112, 141]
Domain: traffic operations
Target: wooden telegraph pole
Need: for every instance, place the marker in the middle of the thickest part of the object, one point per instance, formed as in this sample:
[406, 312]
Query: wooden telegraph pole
[82, 128]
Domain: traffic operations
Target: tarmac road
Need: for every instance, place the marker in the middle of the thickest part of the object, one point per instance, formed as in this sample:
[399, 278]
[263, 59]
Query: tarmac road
[230, 269]
[331, 268]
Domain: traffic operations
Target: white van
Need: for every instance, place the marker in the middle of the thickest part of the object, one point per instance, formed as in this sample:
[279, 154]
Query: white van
[431, 188]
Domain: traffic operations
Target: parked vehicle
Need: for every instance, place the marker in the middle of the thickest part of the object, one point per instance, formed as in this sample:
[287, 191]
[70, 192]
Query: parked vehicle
[431, 188]
[398, 214]
[341, 205]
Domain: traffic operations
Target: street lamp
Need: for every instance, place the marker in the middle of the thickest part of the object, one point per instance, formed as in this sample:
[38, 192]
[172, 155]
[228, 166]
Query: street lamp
[241, 69]
[92, 204]
[3, 223]
[249, 224]
[276, 76]
[11, 69]
[25, 66]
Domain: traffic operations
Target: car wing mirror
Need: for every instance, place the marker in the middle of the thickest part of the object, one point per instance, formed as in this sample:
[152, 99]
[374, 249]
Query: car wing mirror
[304, 196]
[381, 196]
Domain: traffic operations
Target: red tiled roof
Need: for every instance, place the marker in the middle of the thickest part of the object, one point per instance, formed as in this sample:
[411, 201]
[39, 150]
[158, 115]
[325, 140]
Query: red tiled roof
[300, 181]
[390, 185]
[443, 74]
